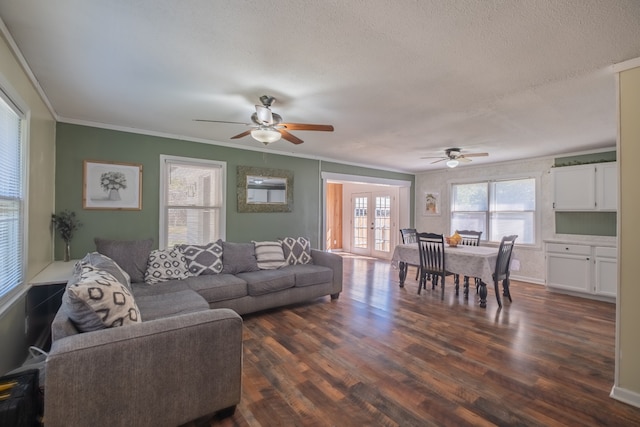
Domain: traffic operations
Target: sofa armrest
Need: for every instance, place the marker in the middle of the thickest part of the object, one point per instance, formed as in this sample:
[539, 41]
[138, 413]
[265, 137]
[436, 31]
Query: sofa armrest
[162, 372]
[334, 262]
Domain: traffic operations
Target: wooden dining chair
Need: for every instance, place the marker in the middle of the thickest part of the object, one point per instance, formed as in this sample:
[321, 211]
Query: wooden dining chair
[432, 261]
[502, 270]
[469, 238]
[409, 235]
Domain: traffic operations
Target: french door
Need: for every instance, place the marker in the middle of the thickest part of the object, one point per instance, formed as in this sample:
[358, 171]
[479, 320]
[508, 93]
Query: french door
[372, 219]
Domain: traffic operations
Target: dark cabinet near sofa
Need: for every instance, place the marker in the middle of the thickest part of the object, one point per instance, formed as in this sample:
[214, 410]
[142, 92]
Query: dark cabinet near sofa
[43, 301]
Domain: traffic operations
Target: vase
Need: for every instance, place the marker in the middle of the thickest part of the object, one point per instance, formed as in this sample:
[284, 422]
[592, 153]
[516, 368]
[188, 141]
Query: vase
[67, 251]
[114, 194]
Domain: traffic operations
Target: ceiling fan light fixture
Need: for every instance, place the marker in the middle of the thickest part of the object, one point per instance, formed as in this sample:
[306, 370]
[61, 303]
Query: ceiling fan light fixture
[452, 163]
[266, 135]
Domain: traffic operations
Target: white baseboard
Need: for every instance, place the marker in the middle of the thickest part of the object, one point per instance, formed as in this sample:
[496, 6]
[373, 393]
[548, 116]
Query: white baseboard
[627, 396]
[527, 279]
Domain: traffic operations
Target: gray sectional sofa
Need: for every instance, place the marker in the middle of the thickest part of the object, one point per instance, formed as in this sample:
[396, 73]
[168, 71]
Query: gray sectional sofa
[177, 353]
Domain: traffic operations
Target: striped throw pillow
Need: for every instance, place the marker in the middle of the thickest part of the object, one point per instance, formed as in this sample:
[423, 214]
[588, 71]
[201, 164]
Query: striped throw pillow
[269, 255]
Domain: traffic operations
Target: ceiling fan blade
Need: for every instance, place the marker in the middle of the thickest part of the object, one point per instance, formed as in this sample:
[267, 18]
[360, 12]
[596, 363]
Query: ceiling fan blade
[305, 126]
[221, 121]
[463, 159]
[474, 155]
[242, 135]
[441, 160]
[264, 115]
[289, 137]
[434, 157]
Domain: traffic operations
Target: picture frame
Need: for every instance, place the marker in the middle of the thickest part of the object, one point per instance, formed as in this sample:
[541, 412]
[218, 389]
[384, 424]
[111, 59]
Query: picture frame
[112, 185]
[431, 203]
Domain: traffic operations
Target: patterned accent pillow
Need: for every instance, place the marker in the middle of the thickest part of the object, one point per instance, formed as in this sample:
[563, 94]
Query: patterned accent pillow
[96, 300]
[296, 250]
[203, 259]
[270, 255]
[163, 265]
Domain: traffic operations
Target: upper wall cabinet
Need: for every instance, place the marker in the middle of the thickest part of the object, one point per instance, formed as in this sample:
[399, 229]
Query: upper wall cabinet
[592, 187]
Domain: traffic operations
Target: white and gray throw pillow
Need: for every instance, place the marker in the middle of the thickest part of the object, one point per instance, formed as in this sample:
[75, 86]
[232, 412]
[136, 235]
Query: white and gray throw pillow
[203, 259]
[166, 264]
[97, 300]
[269, 255]
[297, 250]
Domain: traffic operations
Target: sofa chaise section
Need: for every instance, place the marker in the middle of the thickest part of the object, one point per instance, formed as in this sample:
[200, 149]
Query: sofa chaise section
[163, 372]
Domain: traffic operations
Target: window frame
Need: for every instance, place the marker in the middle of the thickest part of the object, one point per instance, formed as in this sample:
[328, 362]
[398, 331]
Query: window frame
[162, 205]
[19, 107]
[489, 181]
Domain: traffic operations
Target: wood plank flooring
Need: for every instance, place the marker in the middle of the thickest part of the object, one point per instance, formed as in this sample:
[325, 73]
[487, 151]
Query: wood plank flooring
[384, 355]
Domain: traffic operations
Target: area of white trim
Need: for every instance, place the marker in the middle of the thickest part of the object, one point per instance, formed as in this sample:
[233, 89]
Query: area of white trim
[25, 66]
[359, 179]
[627, 396]
[258, 148]
[626, 65]
[162, 244]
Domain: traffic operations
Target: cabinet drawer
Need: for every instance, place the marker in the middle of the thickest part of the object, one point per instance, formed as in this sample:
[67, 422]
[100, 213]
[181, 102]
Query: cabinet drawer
[569, 249]
[602, 251]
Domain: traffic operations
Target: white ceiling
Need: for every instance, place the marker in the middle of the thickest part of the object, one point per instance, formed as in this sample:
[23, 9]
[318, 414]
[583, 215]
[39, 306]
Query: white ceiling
[399, 79]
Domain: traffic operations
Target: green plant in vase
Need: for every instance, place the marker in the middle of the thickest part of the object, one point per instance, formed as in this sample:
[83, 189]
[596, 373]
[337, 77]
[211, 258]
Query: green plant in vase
[66, 223]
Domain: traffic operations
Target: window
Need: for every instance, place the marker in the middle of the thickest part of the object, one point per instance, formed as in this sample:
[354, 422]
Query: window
[192, 201]
[497, 208]
[12, 198]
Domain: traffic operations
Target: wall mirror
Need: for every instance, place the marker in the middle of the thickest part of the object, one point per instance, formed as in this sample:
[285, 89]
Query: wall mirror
[264, 190]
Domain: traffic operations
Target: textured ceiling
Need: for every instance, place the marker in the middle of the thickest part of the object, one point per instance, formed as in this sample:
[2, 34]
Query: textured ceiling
[398, 79]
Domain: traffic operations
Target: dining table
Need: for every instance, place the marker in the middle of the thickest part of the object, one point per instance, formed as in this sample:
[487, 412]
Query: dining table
[470, 261]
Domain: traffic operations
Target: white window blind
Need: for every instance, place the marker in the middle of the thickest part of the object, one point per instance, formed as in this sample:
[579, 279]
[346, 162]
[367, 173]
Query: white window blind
[193, 201]
[497, 208]
[11, 200]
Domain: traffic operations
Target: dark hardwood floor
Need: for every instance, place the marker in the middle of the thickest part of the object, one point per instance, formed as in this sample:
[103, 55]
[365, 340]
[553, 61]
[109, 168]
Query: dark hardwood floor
[384, 355]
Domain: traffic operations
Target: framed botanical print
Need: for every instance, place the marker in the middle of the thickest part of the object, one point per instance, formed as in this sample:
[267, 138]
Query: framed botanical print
[112, 185]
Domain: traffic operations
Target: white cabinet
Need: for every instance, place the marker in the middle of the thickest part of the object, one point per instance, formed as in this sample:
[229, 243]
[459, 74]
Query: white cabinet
[580, 268]
[607, 186]
[568, 267]
[592, 187]
[606, 273]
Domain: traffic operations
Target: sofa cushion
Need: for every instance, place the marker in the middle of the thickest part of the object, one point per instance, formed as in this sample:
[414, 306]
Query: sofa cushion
[220, 287]
[203, 259]
[96, 300]
[166, 304]
[269, 255]
[297, 250]
[130, 255]
[238, 258]
[267, 281]
[103, 262]
[310, 274]
[167, 264]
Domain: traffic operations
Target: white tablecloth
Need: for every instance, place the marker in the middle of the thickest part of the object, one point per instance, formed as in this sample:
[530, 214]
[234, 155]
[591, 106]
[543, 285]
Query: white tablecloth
[471, 261]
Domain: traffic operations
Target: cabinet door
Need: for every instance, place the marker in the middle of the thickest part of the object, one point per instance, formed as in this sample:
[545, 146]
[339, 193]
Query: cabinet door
[606, 277]
[570, 272]
[607, 186]
[574, 188]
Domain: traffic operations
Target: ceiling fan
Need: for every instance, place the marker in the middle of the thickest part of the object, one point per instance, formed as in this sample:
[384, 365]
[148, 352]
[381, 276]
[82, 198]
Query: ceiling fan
[268, 127]
[454, 156]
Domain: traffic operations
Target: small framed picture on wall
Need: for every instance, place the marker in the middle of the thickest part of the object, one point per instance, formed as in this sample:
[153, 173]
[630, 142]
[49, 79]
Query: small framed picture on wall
[431, 203]
[111, 185]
